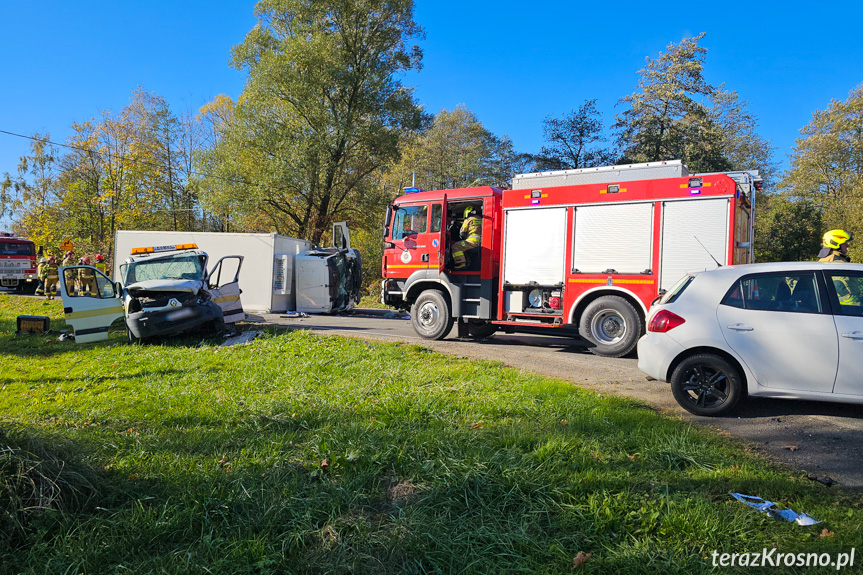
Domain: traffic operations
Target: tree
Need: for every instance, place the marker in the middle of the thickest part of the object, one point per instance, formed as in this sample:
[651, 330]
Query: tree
[322, 111]
[663, 115]
[827, 166]
[34, 191]
[786, 229]
[676, 114]
[572, 138]
[456, 151]
[131, 170]
[741, 145]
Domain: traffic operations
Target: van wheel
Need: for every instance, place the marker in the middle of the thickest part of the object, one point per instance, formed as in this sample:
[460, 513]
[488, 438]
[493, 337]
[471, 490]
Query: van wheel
[707, 384]
[430, 315]
[611, 325]
[130, 337]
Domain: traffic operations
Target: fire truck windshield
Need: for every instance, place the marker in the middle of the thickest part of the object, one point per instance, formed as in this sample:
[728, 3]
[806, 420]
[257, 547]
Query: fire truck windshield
[17, 249]
[409, 220]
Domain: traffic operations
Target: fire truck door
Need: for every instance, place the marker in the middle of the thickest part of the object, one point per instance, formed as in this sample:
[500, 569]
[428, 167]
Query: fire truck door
[442, 237]
[224, 284]
[411, 238]
[91, 302]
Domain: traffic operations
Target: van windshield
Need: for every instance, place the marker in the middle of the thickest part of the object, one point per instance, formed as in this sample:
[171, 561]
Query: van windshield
[177, 267]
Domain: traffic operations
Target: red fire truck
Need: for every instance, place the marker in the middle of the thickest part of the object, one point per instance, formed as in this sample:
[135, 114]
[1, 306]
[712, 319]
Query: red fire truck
[578, 250]
[17, 263]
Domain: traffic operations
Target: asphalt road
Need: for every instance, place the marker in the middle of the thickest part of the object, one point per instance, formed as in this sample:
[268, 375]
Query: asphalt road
[824, 440]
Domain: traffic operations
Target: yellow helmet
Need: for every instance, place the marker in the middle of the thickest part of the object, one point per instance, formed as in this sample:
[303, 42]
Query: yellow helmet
[835, 238]
[468, 211]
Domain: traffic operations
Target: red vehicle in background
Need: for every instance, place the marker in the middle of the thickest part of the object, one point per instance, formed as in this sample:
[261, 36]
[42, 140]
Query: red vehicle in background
[586, 249]
[17, 264]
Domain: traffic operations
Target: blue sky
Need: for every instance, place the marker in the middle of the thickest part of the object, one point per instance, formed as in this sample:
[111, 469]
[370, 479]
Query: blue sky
[512, 63]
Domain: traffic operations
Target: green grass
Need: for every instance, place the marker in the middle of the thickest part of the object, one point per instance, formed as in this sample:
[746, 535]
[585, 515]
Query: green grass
[371, 302]
[306, 454]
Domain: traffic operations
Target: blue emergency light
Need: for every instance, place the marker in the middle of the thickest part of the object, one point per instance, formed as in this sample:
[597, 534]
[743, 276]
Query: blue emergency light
[412, 190]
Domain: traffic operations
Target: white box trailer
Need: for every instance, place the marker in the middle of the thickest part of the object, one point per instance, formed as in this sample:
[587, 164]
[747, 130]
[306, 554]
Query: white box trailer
[267, 278]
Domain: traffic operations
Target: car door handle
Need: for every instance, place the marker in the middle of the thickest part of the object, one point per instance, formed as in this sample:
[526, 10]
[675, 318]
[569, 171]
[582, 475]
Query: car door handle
[853, 335]
[741, 327]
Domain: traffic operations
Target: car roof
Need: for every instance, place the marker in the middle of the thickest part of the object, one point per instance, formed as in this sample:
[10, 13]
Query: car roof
[745, 269]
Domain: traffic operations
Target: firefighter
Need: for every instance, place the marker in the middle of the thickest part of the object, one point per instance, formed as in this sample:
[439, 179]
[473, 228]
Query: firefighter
[835, 248]
[71, 277]
[86, 279]
[471, 237]
[51, 277]
[100, 264]
[40, 274]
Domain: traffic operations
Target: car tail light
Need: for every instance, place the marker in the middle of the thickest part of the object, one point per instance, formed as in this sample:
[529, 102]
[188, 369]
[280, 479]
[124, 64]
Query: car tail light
[665, 321]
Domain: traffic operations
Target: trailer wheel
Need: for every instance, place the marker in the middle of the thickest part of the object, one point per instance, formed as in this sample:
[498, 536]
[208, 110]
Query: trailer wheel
[611, 325]
[430, 315]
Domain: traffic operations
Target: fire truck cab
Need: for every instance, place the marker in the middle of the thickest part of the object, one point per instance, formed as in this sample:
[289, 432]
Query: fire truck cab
[418, 268]
[18, 266]
[587, 250]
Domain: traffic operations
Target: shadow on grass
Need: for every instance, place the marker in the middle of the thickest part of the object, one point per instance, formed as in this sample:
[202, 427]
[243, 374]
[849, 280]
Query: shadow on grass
[415, 497]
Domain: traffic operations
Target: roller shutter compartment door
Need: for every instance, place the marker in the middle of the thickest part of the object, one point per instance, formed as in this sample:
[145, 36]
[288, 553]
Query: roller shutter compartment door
[535, 246]
[683, 222]
[615, 237]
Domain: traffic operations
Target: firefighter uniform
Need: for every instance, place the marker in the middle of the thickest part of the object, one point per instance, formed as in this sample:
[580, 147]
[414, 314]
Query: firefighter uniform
[71, 278]
[86, 279]
[101, 266]
[51, 278]
[471, 234]
[835, 256]
[40, 274]
[835, 246]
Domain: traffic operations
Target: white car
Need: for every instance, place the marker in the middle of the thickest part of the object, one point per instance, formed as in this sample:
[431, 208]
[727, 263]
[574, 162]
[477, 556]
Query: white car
[785, 330]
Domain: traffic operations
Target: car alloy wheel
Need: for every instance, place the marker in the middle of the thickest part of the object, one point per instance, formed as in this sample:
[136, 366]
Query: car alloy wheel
[706, 384]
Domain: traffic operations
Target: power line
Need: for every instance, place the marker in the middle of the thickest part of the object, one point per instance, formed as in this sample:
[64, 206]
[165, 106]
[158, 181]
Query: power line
[131, 159]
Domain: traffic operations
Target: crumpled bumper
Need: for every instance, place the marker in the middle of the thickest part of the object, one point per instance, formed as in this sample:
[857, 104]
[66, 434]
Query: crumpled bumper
[172, 321]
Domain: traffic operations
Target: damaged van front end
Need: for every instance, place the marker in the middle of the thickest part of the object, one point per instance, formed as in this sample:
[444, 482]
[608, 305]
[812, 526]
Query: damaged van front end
[163, 290]
[165, 307]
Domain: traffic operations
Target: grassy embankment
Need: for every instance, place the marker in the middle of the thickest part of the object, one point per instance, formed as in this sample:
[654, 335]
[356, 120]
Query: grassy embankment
[307, 454]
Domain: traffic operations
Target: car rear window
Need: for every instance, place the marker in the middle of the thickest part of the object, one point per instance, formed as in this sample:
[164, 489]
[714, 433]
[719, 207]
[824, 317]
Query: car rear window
[776, 292]
[677, 289]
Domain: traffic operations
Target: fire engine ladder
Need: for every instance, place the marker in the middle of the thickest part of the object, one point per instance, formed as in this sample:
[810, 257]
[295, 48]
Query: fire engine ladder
[472, 302]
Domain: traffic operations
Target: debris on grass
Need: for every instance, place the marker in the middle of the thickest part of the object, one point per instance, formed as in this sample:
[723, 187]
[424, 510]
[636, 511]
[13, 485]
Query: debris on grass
[828, 481]
[244, 337]
[768, 507]
[580, 559]
[293, 315]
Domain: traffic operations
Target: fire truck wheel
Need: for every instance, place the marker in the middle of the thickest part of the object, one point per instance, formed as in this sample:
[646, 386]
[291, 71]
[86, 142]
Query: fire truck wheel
[430, 315]
[611, 325]
[480, 329]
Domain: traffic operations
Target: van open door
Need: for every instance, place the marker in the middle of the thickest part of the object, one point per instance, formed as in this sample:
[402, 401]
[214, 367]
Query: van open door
[91, 302]
[224, 285]
[341, 236]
